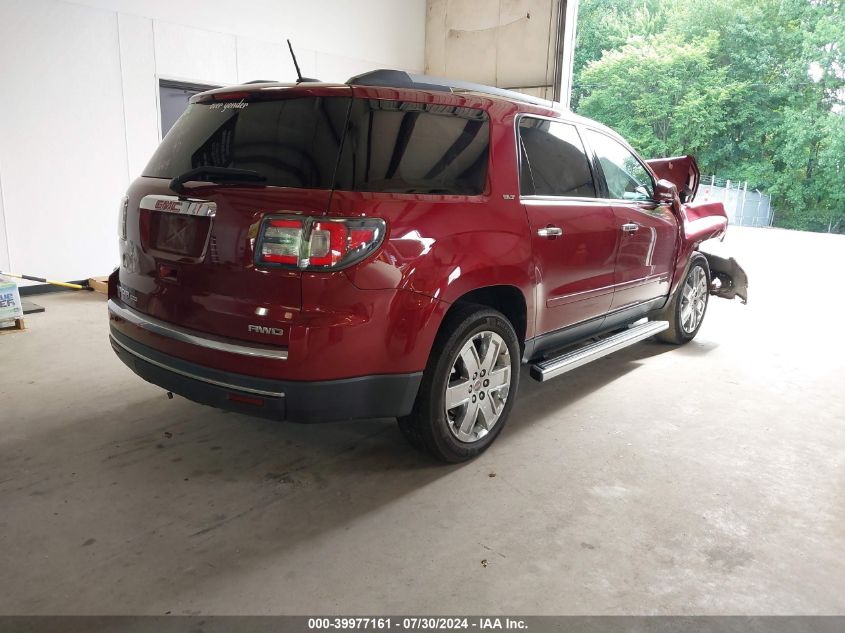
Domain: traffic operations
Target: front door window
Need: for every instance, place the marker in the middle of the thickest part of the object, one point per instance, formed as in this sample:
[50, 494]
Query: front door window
[625, 176]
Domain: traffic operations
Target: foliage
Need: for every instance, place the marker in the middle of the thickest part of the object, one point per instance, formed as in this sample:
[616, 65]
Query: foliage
[754, 89]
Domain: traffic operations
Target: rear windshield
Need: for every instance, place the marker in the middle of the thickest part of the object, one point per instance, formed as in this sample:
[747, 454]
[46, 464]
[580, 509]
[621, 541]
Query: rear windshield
[291, 142]
[390, 146]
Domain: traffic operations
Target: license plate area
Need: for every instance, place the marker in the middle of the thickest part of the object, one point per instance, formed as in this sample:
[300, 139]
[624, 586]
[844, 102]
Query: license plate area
[185, 236]
[174, 228]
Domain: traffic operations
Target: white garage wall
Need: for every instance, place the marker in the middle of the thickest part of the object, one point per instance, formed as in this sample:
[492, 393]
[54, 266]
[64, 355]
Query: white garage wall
[505, 43]
[4, 243]
[79, 118]
[62, 137]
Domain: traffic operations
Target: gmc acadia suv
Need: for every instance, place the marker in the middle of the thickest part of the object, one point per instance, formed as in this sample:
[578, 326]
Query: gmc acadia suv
[397, 246]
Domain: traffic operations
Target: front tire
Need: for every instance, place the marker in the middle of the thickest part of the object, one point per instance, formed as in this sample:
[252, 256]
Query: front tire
[685, 311]
[468, 387]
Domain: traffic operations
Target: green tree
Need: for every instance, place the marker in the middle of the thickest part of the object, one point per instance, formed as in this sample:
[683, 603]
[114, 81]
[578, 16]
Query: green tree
[754, 89]
[606, 25]
[662, 94]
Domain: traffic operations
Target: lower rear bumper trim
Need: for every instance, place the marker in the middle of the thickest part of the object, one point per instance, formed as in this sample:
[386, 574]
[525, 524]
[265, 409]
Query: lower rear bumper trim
[374, 396]
[186, 374]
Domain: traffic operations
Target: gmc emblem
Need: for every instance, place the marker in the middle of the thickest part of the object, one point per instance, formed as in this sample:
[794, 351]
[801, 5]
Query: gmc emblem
[168, 205]
[263, 329]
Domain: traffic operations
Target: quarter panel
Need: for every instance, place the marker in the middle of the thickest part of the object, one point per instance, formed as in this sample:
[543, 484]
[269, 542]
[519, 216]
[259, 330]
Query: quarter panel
[444, 248]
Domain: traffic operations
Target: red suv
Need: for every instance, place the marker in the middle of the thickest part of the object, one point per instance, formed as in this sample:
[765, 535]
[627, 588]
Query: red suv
[397, 246]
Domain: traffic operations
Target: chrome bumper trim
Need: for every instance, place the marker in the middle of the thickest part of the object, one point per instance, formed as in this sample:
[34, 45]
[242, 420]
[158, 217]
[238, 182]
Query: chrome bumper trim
[184, 335]
[187, 374]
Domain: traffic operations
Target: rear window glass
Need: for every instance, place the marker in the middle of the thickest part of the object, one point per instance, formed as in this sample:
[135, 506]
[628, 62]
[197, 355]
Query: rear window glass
[554, 162]
[407, 147]
[291, 142]
[390, 146]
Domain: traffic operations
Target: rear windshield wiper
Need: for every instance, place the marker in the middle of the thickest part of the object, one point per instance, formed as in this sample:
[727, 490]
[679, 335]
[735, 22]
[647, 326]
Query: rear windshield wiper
[215, 174]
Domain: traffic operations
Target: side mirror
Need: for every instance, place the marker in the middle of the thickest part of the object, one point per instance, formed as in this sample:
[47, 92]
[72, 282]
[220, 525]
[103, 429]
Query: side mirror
[667, 193]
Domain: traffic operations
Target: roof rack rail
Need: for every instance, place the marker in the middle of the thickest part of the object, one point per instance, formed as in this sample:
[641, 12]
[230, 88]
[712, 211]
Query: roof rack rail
[400, 79]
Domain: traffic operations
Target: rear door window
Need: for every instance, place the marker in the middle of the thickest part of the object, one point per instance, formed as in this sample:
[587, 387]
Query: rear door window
[553, 160]
[291, 142]
[406, 147]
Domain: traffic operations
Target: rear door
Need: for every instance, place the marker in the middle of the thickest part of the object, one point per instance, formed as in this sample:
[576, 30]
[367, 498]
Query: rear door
[574, 233]
[648, 231]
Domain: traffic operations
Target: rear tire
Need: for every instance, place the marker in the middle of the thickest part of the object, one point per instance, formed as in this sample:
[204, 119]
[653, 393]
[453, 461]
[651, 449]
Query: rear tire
[468, 387]
[687, 307]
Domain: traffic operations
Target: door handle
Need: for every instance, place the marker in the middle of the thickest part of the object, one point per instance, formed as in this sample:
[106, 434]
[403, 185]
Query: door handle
[630, 227]
[550, 231]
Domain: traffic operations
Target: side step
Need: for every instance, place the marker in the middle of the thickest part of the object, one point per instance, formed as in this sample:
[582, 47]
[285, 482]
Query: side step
[570, 360]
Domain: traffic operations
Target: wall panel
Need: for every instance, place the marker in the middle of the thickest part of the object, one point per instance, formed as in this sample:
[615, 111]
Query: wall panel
[62, 137]
[138, 69]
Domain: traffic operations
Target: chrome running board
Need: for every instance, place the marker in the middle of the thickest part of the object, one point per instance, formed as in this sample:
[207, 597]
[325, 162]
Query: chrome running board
[570, 360]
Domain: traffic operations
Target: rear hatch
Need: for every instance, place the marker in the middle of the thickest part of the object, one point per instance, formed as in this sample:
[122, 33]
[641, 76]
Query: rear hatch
[189, 258]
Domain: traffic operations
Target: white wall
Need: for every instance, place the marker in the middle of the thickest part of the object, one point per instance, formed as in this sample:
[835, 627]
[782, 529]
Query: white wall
[79, 115]
[505, 43]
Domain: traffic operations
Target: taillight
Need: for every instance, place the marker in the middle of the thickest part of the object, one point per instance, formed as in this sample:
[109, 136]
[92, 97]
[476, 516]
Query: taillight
[282, 242]
[318, 244]
[328, 243]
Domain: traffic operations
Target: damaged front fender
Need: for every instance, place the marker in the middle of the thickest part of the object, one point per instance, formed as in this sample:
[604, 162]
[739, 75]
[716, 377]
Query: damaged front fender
[728, 279]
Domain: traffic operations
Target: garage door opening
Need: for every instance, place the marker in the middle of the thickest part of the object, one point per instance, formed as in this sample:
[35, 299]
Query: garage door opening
[173, 98]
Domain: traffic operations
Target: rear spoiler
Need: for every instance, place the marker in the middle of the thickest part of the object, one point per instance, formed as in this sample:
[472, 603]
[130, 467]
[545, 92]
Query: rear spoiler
[681, 171]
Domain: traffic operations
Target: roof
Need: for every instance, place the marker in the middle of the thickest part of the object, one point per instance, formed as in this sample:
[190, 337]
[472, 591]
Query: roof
[400, 79]
[391, 79]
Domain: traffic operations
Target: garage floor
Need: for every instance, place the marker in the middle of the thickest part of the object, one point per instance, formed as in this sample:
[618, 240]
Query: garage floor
[702, 479]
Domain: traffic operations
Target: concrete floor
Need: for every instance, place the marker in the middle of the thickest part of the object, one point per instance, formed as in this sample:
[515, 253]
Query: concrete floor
[703, 479]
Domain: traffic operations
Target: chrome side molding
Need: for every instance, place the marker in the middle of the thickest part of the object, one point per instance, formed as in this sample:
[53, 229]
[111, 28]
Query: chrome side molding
[571, 360]
[184, 335]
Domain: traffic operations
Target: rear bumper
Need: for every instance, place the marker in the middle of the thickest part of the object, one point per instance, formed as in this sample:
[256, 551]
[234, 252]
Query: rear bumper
[388, 395]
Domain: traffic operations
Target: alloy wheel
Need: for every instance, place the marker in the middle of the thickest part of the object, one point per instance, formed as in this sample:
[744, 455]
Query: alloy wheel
[478, 386]
[693, 299]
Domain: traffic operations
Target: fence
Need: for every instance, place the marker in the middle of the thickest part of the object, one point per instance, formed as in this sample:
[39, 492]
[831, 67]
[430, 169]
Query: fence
[744, 207]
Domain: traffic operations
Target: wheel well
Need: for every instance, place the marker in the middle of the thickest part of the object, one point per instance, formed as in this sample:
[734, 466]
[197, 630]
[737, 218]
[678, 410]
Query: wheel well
[508, 300]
